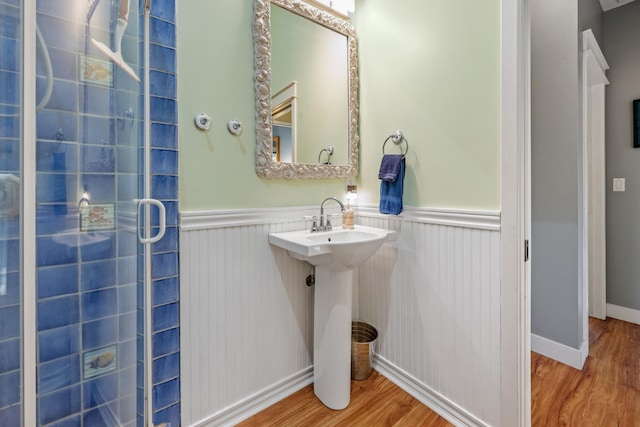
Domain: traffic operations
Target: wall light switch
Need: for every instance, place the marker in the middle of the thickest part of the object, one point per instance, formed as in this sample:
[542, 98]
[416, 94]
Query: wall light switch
[618, 184]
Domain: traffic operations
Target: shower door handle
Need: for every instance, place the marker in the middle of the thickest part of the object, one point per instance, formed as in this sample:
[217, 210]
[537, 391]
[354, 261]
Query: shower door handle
[162, 217]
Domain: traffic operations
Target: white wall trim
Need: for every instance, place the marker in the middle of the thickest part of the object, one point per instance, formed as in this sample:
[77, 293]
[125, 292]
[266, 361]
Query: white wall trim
[263, 399]
[426, 395]
[589, 42]
[560, 352]
[623, 313]
[484, 220]
[198, 220]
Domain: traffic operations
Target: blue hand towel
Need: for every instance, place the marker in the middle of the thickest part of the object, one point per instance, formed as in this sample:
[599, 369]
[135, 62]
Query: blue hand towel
[390, 167]
[391, 191]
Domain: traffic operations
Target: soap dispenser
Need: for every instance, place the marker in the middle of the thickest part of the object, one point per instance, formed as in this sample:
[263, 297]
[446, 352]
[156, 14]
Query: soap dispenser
[348, 217]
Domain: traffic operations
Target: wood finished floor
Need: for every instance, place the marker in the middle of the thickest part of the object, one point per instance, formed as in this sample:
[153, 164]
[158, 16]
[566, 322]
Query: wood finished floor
[375, 401]
[606, 393]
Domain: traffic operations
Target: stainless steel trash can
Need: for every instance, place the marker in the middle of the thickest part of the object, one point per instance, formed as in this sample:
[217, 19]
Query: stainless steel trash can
[363, 340]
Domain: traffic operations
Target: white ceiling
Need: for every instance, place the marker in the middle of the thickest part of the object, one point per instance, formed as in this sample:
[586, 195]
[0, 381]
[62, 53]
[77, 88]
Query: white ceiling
[612, 4]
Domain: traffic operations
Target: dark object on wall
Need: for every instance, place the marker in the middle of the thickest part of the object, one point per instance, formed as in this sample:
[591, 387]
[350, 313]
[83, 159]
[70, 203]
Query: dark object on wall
[636, 123]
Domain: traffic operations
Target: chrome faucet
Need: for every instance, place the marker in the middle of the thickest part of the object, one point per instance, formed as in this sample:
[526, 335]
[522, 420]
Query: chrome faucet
[326, 225]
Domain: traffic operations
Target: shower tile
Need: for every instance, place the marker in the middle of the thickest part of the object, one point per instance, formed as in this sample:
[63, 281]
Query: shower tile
[164, 136]
[169, 241]
[127, 299]
[97, 130]
[166, 342]
[58, 343]
[165, 368]
[127, 270]
[100, 417]
[64, 64]
[166, 394]
[99, 304]
[13, 255]
[163, 110]
[98, 159]
[162, 32]
[9, 87]
[58, 9]
[99, 333]
[103, 247]
[164, 265]
[9, 153]
[102, 188]
[98, 275]
[74, 421]
[127, 186]
[164, 187]
[59, 374]
[58, 32]
[56, 125]
[14, 290]
[9, 355]
[56, 157]
[55, 219]
[10, 321]
[9, 21]
[127, 354]
[57, 281]
[128, 410]
[11, 415]
[162, 84]
[55, 187]
[164, 162]
[164, 9]
[127, 326]
[10, 52]
[64, 94]
[49, 252]
[165, 317]
[162, 58]
[59, 404]
[171, 209]
[57, 312]
[9, 126]
[9, 388]
[170, 415]
[100, 391]
[96, 100]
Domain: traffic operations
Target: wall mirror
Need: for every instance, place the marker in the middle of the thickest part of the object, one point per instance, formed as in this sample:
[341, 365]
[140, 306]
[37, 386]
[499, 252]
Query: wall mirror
[306, 88]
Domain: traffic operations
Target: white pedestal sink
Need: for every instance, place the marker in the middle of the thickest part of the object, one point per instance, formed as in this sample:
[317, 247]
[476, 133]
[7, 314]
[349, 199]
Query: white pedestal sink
[335, 254]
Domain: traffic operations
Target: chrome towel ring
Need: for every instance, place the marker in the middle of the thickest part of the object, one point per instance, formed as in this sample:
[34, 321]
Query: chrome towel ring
[397, 137]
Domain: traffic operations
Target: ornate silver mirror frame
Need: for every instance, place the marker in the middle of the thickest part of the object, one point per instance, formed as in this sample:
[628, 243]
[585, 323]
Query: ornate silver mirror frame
[265, 166]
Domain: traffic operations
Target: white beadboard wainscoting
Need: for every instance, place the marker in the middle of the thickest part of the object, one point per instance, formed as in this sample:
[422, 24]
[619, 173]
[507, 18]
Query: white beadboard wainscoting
[247, 315]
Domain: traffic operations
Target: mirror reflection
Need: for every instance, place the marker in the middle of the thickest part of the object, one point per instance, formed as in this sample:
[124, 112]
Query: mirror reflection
[306, 85]
[314, 59]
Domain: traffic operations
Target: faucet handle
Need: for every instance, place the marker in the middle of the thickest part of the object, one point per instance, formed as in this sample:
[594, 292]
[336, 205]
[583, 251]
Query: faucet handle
[314, 223]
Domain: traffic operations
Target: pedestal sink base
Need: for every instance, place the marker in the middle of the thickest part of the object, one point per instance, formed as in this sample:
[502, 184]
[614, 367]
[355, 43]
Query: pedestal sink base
[332, 337]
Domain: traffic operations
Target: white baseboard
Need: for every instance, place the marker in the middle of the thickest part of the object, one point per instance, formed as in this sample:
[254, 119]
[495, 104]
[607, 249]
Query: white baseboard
[560, 352]
[429, 397]
[623, 313]
[253, 404]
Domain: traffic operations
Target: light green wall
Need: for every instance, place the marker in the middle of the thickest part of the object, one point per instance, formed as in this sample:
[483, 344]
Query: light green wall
[431, 68]
[428, 67]
[215, 75]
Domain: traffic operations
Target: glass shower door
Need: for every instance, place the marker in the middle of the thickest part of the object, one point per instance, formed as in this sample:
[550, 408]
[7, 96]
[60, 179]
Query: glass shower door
[11, 306]
[86, 162]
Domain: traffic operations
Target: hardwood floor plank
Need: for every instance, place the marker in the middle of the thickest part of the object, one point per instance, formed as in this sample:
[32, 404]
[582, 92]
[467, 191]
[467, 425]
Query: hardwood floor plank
[375, 401]
[606, 392]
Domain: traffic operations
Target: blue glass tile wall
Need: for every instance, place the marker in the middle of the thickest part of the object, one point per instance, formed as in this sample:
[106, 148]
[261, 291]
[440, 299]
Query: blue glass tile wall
[89, 139]
[164, 170]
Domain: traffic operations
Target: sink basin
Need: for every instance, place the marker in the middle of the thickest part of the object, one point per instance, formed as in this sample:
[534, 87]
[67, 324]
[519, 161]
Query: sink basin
[337, 250]
[335, 254]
